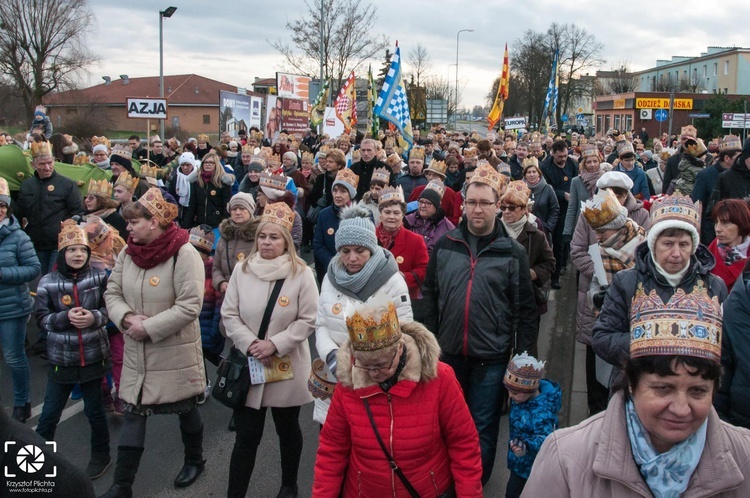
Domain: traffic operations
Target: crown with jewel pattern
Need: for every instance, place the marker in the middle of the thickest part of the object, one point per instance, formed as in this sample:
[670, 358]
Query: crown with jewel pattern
[523, 373]
[127, 181]
[488, 175]
[517, 193]
[248, 149]
[101, 188]
[601, 209]
[437, 167]
[270, 180]
[688, 324]
[279, 213]
[416, 153]
[676, 208]
[346, 175]
[437, 186]
[40, 149]
[730, 143]
[71, 234]
[154, 202]
[373, 325]
[390, 194]
[122, 151]
[381, 175]
[589, 151]
[624, 147]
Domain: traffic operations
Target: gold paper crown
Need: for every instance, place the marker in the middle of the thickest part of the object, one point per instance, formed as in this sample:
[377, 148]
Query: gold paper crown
[71, 235]
[583, 140]
[203, 137]
[323, 149]
[149, 171]
[307, 157]
[695, 147]
[391, 194]
[125, 152]
[40, 149]
[101, 188]
[523, 373]
[688, 324]
[321, 382]
[437, 186]
[96, 231]
[4, 188]
[372, 328]
[390, 141]
[470, 152]
[393, 160]
[127, 181]
[356, 155]
[381, 175]
[689, 131]
[601, 209]
[416, 152]
[529, 162]
[624, 147]
[346, 175]
[676, 208]
[279, 213]
[202, 240]
[256, 135]
[248, 149]
[80, 159]
[438, 167]
[155, 204]
[517, 193]
[488, 175]
[259, 159]
[730, 143]
[99, 141]
[270, 180]
[589, 151]
[274, 160]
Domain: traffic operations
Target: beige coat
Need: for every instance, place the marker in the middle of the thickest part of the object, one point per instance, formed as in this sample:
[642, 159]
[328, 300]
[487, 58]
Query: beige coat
[168, 366]
[594, 459]
[290, 326]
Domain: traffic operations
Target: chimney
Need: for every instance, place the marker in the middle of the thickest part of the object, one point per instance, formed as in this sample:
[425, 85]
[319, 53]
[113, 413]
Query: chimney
[125, 79]
[107, 80]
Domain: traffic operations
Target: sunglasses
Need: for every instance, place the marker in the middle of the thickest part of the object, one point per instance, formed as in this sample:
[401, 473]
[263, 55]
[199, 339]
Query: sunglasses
[509, 207]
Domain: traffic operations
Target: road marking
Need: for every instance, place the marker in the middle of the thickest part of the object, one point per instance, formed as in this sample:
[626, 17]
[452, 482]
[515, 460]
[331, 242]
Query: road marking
[67, 413]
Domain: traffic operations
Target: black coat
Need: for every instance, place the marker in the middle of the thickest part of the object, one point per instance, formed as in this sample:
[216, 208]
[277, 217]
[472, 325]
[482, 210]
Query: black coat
[364, 171]
[208, 205]
[733, 183]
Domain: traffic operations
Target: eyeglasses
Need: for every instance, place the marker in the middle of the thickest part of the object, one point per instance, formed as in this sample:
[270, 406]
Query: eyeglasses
[424, 202]
[209, 162]
[482, 204]
[509, 207]
[378, 367]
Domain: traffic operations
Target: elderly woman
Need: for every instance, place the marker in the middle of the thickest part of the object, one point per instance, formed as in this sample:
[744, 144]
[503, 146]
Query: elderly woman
[359, 269]
[154, 296]
[546, 207]
[272, 268]
[99, 203]
[672, 263]
[730, 247]
[396, 407]
[429, 220]
[209, 196]
[659, 436]
[19, 265]
[582, 187]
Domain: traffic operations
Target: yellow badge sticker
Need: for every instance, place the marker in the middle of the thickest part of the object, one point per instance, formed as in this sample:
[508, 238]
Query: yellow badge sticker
[283, 301]
[565, 178]
[51, 188]
[399, 259]
[336, 308]
[154, 280]
[330, 231]
[66, 299]
[240, 256]
[213, 192]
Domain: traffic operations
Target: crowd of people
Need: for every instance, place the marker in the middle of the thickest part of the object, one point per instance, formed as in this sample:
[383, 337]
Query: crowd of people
[432, 265]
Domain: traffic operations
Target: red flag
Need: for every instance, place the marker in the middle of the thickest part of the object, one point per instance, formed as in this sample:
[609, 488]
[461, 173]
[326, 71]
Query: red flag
[346, 104]
[496, 113]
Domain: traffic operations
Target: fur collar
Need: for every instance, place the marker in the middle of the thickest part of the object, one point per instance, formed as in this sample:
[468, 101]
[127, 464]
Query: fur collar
[245, 232]
[422, 356]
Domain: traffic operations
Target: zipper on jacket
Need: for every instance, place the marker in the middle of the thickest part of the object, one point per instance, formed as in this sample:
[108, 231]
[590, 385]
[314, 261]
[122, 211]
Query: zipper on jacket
[434, 482]
[80, 334]
[390, 444]
[465, 342]
[359, 483]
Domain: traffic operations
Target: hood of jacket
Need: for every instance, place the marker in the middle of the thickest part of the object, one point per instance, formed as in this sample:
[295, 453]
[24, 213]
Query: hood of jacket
[422, 358]
[701, 263]
[246, 231]
[12, 226]
[739, 166]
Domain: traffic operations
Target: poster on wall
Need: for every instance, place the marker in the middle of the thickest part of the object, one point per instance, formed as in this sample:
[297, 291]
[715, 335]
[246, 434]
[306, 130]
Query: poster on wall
[234, 112]
[293, 86]
[295, 116]
[256, 106]
[273, 117]
[332, 125]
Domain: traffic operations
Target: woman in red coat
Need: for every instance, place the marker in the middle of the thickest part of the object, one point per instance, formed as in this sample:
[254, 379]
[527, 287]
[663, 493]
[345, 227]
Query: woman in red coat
[730, 247]
[416, 405]
[407, 247]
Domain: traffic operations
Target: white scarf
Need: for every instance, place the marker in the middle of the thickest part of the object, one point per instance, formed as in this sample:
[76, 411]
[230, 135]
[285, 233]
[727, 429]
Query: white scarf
[515, 229]
[674, 279]
[182, 187]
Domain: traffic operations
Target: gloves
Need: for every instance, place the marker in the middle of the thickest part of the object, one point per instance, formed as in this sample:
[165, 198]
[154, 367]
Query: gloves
[331, 361]
[598, 298]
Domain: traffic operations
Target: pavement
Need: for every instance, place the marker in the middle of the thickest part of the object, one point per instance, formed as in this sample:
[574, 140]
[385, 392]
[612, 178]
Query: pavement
[163, 457]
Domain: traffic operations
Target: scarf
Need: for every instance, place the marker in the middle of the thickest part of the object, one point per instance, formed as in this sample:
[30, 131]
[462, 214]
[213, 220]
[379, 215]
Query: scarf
[206, 176]
[102, 213]
[166, 245]
[269, 270]
[730, 255]
[182, 188]
[673, 279]
[385, 238]
[288, 170]
[388, 383]
[306, 173]
[103, 164]
[355, 282]
[618, 251]
[666, 474]
[538, 187]
[515, 229]
[589, 180]
[384, 269]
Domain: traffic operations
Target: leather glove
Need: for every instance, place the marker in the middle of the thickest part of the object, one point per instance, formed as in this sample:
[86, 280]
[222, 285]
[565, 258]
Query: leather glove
[598, 298]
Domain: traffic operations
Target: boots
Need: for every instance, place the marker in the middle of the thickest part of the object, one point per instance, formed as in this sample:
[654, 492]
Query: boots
[128, 459]
[22, 413]
[194, 462]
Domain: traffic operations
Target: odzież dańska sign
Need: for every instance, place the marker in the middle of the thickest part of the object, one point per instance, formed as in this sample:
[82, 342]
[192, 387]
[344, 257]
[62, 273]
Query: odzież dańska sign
[146, 108]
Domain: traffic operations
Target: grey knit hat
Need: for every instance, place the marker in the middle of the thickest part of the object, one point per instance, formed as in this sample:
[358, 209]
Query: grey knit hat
[244, 200]
[356, 228]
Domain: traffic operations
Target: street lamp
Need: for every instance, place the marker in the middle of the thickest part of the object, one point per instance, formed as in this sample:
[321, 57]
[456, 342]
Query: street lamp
[455, 113]
[168, 12]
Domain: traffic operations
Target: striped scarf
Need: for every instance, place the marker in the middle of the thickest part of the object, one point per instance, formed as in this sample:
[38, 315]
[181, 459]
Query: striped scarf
[618, 251]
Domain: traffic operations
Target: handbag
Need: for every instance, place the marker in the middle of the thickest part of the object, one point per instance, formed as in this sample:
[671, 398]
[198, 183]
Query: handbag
[314, 211]
[233, 375]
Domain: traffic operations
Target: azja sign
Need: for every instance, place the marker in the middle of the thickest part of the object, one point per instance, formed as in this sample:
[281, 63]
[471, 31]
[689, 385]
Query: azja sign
[145, 108]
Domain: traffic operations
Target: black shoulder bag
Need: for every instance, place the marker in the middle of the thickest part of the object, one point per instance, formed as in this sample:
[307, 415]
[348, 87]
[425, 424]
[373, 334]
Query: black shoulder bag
[391, 461]
[233, 373]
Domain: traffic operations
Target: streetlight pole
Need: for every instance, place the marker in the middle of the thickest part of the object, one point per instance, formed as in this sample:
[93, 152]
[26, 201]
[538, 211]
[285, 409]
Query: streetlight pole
[455, 111]
[168, 12]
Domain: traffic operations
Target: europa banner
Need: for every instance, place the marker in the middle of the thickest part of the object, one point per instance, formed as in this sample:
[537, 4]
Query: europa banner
[294, 115]
[234, 112]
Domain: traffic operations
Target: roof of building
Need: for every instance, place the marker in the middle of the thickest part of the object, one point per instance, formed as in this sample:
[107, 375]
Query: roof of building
[182, 89]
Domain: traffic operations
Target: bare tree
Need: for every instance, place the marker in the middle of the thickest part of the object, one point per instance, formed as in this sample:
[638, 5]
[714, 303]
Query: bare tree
[616, 81]
[42, 45]
[348, 40]
[530, 66]
[420, 61]
[438, 88]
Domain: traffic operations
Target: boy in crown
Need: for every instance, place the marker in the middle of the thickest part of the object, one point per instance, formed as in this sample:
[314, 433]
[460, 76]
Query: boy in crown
[533, 416]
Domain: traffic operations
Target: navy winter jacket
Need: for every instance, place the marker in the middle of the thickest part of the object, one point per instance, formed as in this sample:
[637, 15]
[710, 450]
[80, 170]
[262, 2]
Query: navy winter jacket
[18, 266]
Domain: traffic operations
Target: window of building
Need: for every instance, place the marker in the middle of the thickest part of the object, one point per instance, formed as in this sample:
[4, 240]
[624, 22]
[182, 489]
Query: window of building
[607, 122]
[705, 70]
[599, 127]
[206, 119]
[716, 68]
[726, 67]
[617, 121]
[628, 122]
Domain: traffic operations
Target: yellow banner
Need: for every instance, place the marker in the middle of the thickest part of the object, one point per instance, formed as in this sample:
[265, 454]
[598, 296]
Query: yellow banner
[679, 104]
[619, 104]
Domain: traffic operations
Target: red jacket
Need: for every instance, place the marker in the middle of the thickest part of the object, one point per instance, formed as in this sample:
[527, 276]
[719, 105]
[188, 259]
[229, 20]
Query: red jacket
[423, 421]
[451, 203]
[410, 252]
[729, 274]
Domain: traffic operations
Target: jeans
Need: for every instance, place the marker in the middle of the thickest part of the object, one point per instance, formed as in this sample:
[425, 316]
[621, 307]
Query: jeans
[54, 402]
[484, 392]
[515, 486]
[12, 337]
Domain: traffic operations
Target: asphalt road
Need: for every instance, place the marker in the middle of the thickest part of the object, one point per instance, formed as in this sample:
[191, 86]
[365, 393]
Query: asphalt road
[163, 457]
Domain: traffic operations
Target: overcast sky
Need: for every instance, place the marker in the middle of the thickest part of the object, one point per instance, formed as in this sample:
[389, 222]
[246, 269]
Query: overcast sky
[229, 41]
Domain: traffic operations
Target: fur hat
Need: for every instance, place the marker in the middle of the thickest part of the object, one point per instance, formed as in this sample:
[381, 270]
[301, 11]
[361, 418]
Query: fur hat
[356, 228]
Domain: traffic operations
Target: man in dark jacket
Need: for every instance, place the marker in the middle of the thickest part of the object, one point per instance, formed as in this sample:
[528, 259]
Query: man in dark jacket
[735, 183]
[366, 165]
[673, 163]
[479, 302]
[516, 161]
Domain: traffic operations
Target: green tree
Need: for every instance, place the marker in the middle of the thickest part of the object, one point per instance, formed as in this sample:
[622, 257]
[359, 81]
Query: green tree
[719, 103]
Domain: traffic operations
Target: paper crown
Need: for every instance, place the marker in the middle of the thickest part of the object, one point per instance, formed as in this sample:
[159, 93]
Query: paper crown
[40, 149]
[203, 137]
[80, 158]
[356, 155]
[307, 157]
[504, 168]
[100, 141]
[529, 162]
[488, 175]
[127, 181]
[274, 160]
[279, 213]
[323, 149]
[470, 153]
[393, 160]
[373, 325]
[71, 234]
[624, 147]
[730, 143]
[437, 167]
[517, 193]
[121, 151]
[694, 147]
[96, 231]
[437, 186]
[688, 131]
[688, 324]
[381, 175]
[256, 135]
[202, 238]
[149, 171]
[4, 188]
[259, 159]
[346, 175]
[270, 180]
[416, 153]
[391, 194]
[589, 151]
[101, 188]
[524, 373]
[321, 382]
[601, 209]
[159, 208]
[390, 142]
[248, 149]
[676, 208]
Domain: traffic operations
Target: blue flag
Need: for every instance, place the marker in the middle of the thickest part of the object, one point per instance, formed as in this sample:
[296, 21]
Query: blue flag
[392, 104]
[550, 102]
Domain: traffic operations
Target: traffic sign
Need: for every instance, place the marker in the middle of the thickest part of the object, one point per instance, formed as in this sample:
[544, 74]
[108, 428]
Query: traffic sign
[735, 120]
[564, 118]
[146, 108]
[698, 115]
[580, 116]
[583, 122]
[661, 115]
